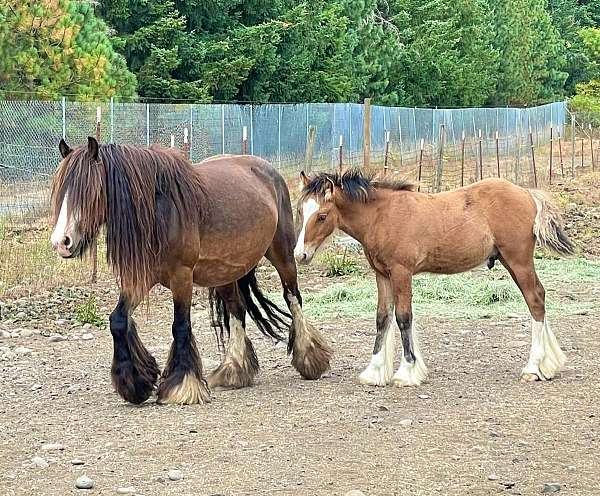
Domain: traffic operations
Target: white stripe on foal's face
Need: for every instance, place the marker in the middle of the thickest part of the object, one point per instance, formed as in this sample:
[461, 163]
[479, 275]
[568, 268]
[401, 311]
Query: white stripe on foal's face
[63, 236]
[309, 208]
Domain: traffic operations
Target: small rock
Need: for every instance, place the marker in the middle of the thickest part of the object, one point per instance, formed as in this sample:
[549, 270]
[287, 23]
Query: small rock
[27, 333]
[493, 477]
[551, 487]
[513, 316]
[84, 482]
[424, 396]
[383, 408]
[4, 334]
[175, 475]
[355, 492]
[38, 461]
[126, 490]
[406, 422]
[52, 447]
[517, 344]
[572, 468]
[77, 461]
[55, 338]
[22, 350]
[87, 336]
[21, 315]
[87, 326]
[36, 387]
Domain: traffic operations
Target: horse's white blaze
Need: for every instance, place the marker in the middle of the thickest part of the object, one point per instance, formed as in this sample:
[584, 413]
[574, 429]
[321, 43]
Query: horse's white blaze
[60, 229]
[380, 369]
[309, 208]
[411, 374]
[545, 358]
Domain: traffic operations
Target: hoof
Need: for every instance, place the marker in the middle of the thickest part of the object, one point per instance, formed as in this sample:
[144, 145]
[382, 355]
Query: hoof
[311, 355]
[230, 375]
[134, 383]
[190, 390]
[527, 377]
[375, 376]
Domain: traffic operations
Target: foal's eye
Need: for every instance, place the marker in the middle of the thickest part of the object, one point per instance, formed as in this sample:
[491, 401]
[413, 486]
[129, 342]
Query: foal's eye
[321, 217]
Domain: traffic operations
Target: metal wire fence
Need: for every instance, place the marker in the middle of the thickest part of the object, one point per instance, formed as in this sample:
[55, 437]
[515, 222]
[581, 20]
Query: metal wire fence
[444, 147]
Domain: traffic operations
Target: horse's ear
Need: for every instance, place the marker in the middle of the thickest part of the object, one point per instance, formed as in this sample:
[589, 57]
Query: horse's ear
[329, 190]
[93, 147]
[304, 180]
[63, 148]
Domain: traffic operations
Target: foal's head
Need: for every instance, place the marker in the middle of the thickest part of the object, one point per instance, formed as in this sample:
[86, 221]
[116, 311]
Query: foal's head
[78, 199]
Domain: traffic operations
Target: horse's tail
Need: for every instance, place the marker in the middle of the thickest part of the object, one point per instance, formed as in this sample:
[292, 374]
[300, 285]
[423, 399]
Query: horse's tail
[271, 323]
[548, 226]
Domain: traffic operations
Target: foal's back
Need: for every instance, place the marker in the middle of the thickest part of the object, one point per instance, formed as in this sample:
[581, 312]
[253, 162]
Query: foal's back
[457, 230]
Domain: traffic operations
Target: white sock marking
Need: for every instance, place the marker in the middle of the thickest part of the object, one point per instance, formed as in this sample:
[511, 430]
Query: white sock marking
[381, 367]
[411, 374]
[545, 358]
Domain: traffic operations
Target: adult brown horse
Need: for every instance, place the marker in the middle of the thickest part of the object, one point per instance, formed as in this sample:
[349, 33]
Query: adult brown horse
[171, 223]
[404, 232]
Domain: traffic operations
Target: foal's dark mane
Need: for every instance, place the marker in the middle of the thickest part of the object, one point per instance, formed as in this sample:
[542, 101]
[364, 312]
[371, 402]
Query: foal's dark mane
[356, 185]
[139, 193]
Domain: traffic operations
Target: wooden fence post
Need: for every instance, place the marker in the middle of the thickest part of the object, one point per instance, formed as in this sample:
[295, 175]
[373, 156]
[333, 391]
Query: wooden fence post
[341, 154]
[186, 143]
[172, 141]
[440, 165]
[367, 131]
[560, 154]
[244, 140]
[480, 158]
[420, 165]
[498, 153]
[535, 183]
[462, 160]
[386, 153]
[572, 145]
[592, 145]
[310, 144]
[551, 150]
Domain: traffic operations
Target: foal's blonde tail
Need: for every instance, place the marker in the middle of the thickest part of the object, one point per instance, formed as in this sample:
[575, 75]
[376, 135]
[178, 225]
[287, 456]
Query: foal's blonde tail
[548, 225]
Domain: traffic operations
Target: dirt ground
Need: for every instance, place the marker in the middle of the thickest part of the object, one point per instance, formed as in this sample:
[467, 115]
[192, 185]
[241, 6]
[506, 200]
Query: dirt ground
[471, 429]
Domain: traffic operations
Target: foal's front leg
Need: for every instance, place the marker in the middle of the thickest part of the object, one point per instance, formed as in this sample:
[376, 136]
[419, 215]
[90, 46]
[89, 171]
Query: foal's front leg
[412, 370]
[182, 381]
[381, 368]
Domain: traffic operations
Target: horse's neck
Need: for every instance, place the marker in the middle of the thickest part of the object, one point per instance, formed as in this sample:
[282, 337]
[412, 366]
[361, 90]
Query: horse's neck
[356, 219]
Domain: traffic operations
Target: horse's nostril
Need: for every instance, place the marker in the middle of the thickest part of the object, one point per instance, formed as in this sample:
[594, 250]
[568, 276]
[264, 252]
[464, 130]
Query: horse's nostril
[67, 241]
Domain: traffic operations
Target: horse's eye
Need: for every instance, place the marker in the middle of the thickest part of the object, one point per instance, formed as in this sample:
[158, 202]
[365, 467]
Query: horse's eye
[321, 217]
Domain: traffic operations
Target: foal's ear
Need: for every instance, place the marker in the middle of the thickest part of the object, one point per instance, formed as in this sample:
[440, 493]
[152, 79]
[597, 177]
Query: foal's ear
[329, 190]
[63, 148]
[93, 147]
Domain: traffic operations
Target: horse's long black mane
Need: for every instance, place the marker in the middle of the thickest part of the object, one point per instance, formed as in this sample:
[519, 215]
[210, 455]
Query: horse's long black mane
[139, 193]
[356, 185]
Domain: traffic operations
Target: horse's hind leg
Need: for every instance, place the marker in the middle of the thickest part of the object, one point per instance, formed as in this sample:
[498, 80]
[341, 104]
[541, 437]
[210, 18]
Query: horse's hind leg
[310, 352]
[134, 370]
[545, 358]
[381, 368]
[412, 370]
[182, 381]
[240, 364]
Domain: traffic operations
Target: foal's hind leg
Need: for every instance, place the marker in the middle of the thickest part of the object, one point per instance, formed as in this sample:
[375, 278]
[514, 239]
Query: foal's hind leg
[240, 364]
[310, 352]
[134, 370]
[182, 381]
[381, 368]
[412, 370]
[545, 358]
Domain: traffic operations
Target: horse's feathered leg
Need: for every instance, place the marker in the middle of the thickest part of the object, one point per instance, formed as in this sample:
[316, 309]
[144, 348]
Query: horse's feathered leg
[310, 352]
[381, 368]
[182, 381]
[412, 370]
[134, 370]
[545, 358]
[240, 364]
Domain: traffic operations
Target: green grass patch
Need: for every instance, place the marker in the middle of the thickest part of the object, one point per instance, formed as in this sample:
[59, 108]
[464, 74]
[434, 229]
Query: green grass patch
[88, 313]
[471, 295]
[338, 264]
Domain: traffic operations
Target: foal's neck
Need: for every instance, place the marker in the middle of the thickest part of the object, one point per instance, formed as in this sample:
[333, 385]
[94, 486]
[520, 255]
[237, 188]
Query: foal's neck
[356, 219]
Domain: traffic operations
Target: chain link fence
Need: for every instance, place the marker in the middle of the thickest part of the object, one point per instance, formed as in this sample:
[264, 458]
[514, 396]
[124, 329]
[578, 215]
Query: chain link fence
[444, 147]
